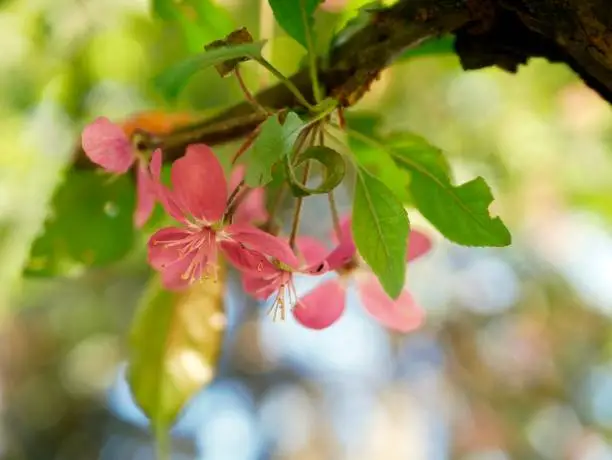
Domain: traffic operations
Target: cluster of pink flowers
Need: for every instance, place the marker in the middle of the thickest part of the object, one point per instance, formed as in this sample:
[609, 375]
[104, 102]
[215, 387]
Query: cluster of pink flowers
[189, 251]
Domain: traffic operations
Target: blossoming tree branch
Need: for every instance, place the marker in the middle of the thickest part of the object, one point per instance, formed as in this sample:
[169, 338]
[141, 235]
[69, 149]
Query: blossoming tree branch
[157, 179]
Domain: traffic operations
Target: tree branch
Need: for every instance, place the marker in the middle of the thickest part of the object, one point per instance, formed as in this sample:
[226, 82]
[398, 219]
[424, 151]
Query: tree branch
[353, 65]
[504, 33]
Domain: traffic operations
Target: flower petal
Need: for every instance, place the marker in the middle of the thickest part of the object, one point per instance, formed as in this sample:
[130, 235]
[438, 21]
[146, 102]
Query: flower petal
[418, 244]
[346, 249]
[261, 288]
[155, 165]
[311, 249]
[402, 314]
[173, 275]
[171, 260]
[263, 242]
[199, 184]
[165, 245]
[106, 145]
[163, 194]
[246, 260]
[341, 255]
[236, 176]
[253, 208]
[145, 196]
[322, 306]
[346, 235]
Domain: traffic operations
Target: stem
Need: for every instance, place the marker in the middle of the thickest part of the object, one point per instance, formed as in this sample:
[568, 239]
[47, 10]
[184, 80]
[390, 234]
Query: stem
[162, 442]
[269, 226]
[298, 209]
[246, 144]
[285, 81]
[334, 213]
[312, 56]
[341, 119]
[266, 32]
[247, 94]
[232, 197]
[233, 206]
[321, 135]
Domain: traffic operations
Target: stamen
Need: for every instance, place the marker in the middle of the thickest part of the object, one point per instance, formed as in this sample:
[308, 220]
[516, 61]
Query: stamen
[286, 297]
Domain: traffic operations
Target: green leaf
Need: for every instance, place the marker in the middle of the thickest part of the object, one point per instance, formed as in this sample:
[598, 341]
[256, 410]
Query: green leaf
[378, 162]
[275, 141]
[201, 21]
[295, 17]
[90, 224]
[380, 230]
[460, 213]
[175, 344]
[172, 80]
[334, 169]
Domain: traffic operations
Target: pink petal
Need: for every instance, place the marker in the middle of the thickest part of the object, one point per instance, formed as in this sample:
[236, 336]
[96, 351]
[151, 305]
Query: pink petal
[341, 255]
[155, 165]
[199, 184]
[418, 244]
[313, 253]
[322, 306]
[106, 144]
[402, 314]
[182, 256]
[236, 176]
[260, 288]
[173, 275]
[345, 250]
[311, 249]
[346, 235]
[163, 194]
[246, 260]
[169, 260]
[263, 242]
[145, 196]
[160, 253]
[252, 208]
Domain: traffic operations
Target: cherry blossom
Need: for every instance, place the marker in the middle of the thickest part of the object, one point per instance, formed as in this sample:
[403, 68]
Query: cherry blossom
[324, 305]
[107, 145]
[264, 277]
[197, 201]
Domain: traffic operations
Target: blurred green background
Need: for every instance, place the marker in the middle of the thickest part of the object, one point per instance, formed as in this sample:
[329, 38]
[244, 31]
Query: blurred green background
[512, 363]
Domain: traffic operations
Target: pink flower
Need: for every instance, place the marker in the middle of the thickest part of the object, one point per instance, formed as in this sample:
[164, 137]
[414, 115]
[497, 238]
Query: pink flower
[198, 200]
[265, 276]
[252, 209]
[107, 145]
[324, 305]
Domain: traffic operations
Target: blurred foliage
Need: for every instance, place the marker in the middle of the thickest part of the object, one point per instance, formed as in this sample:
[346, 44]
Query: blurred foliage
[514, 360]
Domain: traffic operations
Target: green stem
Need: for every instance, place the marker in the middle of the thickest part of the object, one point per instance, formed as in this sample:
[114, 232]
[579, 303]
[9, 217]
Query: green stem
[312, 56]
[288, 83]
[162, 442]
[270, 225]
[298, 209]
[334, 213]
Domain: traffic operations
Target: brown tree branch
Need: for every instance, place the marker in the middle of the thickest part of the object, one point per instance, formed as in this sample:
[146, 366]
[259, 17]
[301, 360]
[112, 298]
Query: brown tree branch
[353, 65]
[505, 33]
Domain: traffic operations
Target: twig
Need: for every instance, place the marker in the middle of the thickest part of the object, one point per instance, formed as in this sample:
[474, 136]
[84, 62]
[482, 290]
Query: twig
[353, 65]
[247, 93]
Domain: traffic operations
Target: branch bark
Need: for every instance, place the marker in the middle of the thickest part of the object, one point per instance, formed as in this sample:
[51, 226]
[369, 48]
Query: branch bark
[504, 33]
[353, 65]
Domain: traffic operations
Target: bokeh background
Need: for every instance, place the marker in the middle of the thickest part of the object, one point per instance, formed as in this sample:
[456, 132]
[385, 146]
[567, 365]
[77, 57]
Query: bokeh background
[513, 361]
